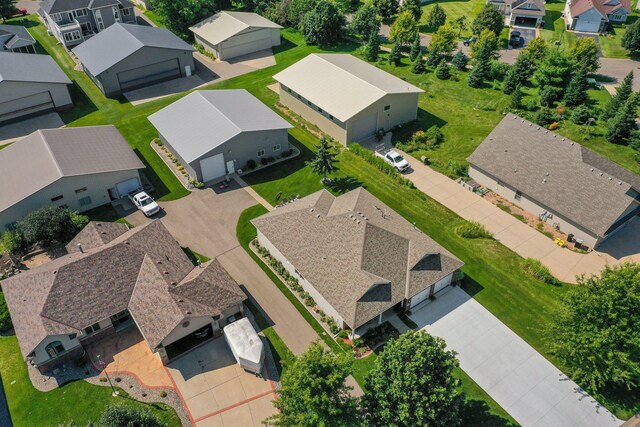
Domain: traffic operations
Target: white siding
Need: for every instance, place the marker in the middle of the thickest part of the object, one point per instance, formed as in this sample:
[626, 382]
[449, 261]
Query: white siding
[42, 356]
[195, 323]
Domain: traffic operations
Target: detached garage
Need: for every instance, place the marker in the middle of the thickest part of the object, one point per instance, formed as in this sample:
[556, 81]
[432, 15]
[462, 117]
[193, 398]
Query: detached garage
[125, 57]
[231, 34]
[214, 133]
[31, 84]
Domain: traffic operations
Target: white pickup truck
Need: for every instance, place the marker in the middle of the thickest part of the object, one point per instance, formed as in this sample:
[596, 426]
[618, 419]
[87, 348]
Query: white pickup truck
[393, 158]
[144, 202]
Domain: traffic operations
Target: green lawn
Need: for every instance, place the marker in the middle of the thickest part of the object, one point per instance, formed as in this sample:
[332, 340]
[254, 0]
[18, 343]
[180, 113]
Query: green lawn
[453, 9]
[611, 44]
[554, 28]
[78, 401]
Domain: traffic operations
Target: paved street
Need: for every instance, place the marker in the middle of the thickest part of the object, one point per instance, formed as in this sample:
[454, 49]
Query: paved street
[533, 391]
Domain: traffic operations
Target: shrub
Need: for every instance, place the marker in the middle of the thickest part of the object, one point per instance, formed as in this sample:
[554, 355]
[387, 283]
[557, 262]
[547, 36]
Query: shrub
[5, 318]
[286, 153]
[263, 161]
[120, 415]
[51, 224]
[443, 72]
[343, 334]
[497, 70]
[581, 114]
[158, 142]
[553, 126]
[271, 159]
[456, 169]
[251, 164]
[536, 269]
[14, 242]
[163, 393]
[473, 230]
[544, 117]
[103, 379]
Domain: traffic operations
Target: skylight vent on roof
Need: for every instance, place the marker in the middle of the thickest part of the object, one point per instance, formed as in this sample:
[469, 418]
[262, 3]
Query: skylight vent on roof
[311, 210]
[591, 169]
[554, 135]
[174, 284]
[619, 182]
[601, 174]
[166, 272]
[563, 139]
[544, 181]
[158, 262]
[103, 232]
[317, 215]
[180, 300]
[610, 178]
[126, 242]
[530, 124]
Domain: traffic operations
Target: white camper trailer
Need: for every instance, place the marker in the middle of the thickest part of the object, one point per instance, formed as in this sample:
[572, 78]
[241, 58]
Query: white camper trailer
[245, 345]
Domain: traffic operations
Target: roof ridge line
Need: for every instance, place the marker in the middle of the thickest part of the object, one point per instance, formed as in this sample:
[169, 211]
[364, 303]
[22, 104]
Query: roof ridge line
[226, 12]
[53, 157]
[351, 74]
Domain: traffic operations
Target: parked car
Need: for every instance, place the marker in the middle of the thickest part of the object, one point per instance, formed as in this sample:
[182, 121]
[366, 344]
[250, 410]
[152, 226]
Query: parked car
[469, 41]
[19, 11]
[516, 43]
[393, 158]
[143, 202]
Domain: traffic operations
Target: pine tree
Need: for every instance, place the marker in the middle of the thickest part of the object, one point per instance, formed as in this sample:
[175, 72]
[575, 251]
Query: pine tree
[516, 99]
[416, 48]
[434, 58]
[442, 71]
[396, 55]
[418, 66]
[460, 61]
[576, 93]
[519, 73]
[325, 159]
[437, 17]
[372, 49]
[623, 92]
[478, 74]
[631, 39]
[620, 127]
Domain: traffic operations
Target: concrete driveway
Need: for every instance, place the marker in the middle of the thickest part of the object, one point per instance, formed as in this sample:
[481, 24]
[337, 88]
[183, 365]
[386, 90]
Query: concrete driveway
[11, 132]
[218, 392]
[532, 390]
[160, 90]
[528, 33]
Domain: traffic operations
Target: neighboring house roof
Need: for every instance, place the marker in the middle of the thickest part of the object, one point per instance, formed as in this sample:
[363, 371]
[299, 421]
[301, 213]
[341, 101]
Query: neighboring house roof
[56, 153]
[96, 234]
[604, 7]
[224, 25]
[341, 84]
[144, 270]
[119, 41]
[356, 251]
[205, 119]
[56, 6]
[18, 36]
[527, 7]
[31, 68]
[564, 176]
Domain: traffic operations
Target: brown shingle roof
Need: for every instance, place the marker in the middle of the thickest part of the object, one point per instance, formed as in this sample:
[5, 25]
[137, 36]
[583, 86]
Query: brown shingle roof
[562, 175]
[353, 249]
[604, 7]
[96, 234]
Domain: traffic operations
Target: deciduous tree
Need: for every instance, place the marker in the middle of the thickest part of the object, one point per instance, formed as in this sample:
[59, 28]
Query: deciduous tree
[489, 18]
[537, 50]
[325, 159]
[443, 41]
[51, 224]
[554, 70]
[178, 17]
[460, 24]
[324, 25]
[585, 54]
[7, 8]
[436, 18]
[404, 29]
[486, 48]
[365, 21]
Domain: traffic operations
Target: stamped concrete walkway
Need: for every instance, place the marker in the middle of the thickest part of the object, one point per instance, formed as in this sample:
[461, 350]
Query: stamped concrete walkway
[519, 237]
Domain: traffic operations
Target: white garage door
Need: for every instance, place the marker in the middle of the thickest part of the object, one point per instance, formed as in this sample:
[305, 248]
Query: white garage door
[586, 25]
[126, 187]
[420, 297]
[442, 284]
[212, 167]
[364, 128]
[28, 105]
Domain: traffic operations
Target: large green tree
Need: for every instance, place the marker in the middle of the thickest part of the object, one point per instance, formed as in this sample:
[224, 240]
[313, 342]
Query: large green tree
[314, 393]
[554, 70]
[51, 224]
[460, 24]
[619, 128]
[324, 25]
[460, 60]
[631, 38]
[298, 9]
[585, 54]
[443, 41]
[519, 73]
[404, 29]
[576, 93]
[365, 21]
[486, 48]
[413, 6]
[537, 50]
[623, 92]
[325, 159]
[386, 8]
[489, 18]
[436, 18]
[412, 384]
[372, 48]
[7, 8]
[596, 332]
[178, 16]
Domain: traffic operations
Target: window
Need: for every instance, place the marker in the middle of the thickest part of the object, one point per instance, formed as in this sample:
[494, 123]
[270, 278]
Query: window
[518, 195]
[86, 27]
[99, 20]
[309, 103]
[81, 190]
[85, 201]
[261, 152]
[56, 17]
[289, 89]
[319, 110]
[116, 13]
[55, 348]
[79, 12]
[387, 107]
[91, 329]
[72, 36]
[330, 117]
[276, 147]
[55, 199]
[299, 97]
[126, 12]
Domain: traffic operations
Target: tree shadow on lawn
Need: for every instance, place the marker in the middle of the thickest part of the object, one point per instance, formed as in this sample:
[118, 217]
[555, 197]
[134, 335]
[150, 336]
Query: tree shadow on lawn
[344, 184]
[478, 413]
[424, 121]
[82, 105]
[159, 188]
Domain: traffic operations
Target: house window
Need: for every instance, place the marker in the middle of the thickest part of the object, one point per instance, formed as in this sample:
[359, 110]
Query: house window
[387, 107]
[299, 97]
[72, 36]
[79, 12]
[86, 27]
[55, 199]
[330, 117]
[309, 103]
[54, 349]
[91, 329]
[81, 190]
[99, 20]
[319, 110]
[276, 147]
[289, 89]
[85, 201]
[518, 195]
[261, 152]
[56, 17]
[116, 13]
[126, 12]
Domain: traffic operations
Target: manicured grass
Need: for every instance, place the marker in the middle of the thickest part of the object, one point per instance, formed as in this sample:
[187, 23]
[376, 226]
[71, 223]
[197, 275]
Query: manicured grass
[154, 17]
[479, 408]
[453, 9]
[78, 401]
[4, 146]
[554, 28]
[195, 257]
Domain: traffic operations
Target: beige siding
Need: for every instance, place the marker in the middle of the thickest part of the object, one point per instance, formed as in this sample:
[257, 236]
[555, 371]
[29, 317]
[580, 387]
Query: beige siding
[42, 356]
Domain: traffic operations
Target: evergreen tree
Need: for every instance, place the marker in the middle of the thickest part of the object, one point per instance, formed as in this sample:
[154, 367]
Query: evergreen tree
[325, 159]
[416, 48]
[434, 58]
[489, 18]
[549, 95]
[576, 93]
[619, 128]
[386, 8]
[516, 99]
[442, 70]
[436, 17]
[478, 74]
[460, 60]
[519, 73]
[395, 55]
[623, 92]
[631, 39]
[413, 6]
[418, 66]
[372, 49]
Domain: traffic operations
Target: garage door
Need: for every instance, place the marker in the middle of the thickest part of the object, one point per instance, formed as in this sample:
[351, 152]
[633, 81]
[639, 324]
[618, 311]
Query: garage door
[364, 128]
[28, 105]
[243, 44]
[442, 284]
[126, 187]
[188, 342]
[589, 26]
[212, 167]
[149, 74]
[420, 297]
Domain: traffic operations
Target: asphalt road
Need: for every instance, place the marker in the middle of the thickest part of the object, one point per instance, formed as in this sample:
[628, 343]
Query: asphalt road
[5, 416]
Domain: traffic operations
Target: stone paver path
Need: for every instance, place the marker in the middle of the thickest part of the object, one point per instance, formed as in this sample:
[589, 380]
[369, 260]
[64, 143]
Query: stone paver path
[531, 389]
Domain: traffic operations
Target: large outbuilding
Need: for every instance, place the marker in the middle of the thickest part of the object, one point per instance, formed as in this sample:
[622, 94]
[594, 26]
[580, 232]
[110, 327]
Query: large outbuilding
[31, 84]
[125, 57]
[80, 168]
[560, 181]
[355, 256]
[231, 34]
[214, 133]
[347, 98]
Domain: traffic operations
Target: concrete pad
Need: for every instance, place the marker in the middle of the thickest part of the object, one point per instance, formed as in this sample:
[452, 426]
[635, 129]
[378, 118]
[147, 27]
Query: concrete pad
[511, 237]
[479, 211]
[229, 394]
[160, 90]
[461, 200]
[536, 247]
[258, 60]
[498, 221]
[238, 417]
[254, 385]
[262, 408]
[202, 404]
[213, 421]
[10, 132]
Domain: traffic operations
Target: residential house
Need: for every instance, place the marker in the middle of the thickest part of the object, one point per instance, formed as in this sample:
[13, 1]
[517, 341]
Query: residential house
[125, 57]
[16, 38]
[80, 168]
[593, 16]
[562, 182]
[528, 13]
[231, 34]
[214, 133]
[355, 256]
[74, 21]
[31, 84]
[136, 278]
[347, 98]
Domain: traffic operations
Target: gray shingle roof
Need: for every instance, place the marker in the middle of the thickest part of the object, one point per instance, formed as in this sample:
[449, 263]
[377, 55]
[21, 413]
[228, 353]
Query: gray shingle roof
[55, 6]
[20, 37]
[205, 119]
[31, 68]
[96, 234]
[562, 175]
[58, 153]
[144, 270]
[355, 251]
[119, 41]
